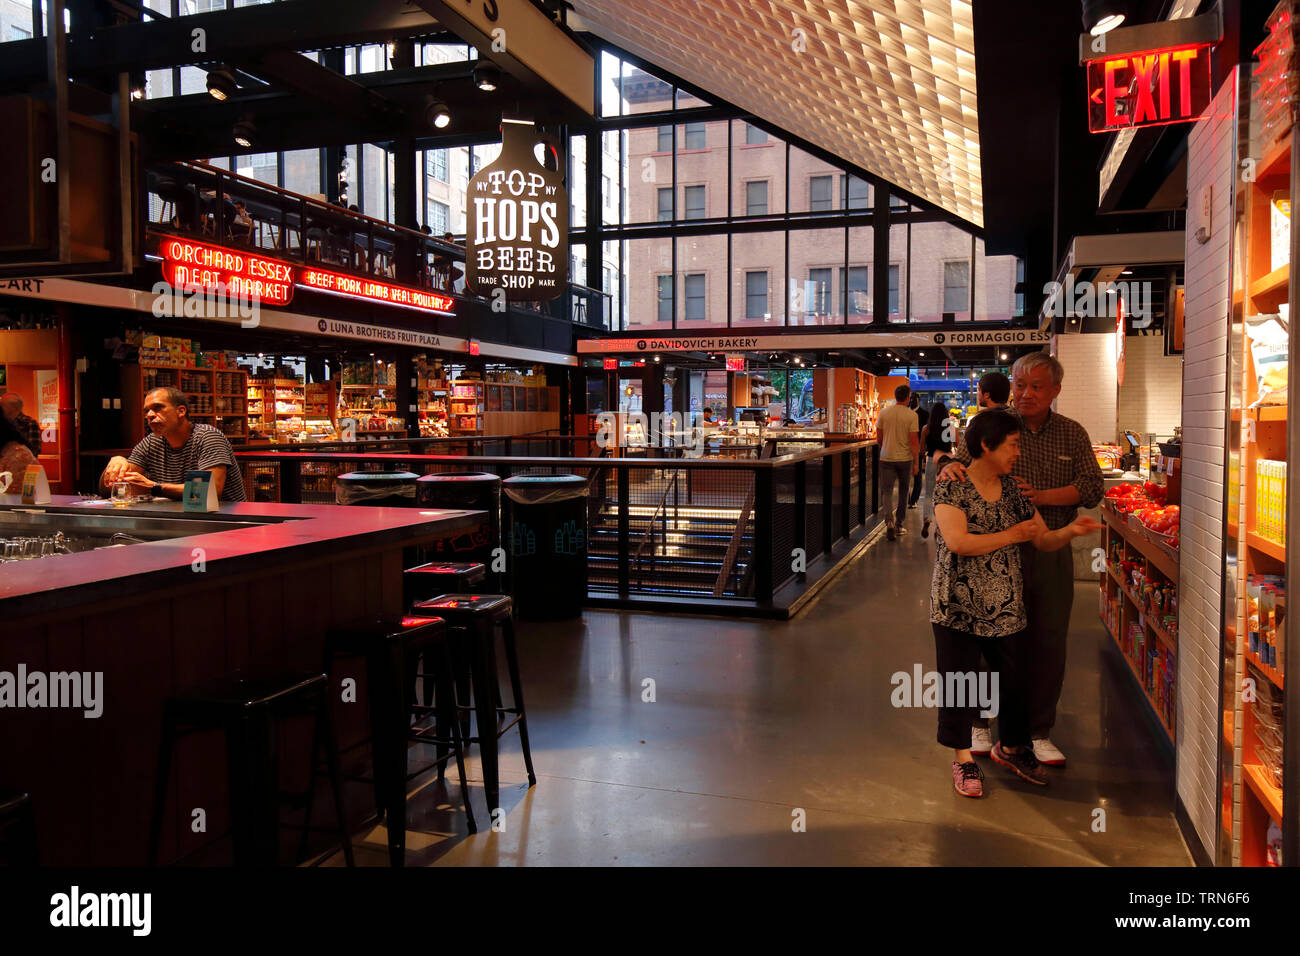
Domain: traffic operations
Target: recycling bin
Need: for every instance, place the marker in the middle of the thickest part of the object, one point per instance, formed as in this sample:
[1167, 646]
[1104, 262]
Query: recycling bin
[467, 491]
[385, 489]
[547, 531]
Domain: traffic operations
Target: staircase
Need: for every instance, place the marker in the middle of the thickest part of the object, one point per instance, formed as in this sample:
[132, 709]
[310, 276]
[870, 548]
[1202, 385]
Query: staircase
[682, 556]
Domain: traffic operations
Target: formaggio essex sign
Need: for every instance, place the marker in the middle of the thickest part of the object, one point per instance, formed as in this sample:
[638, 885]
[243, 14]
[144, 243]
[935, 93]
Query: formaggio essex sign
[796, 342]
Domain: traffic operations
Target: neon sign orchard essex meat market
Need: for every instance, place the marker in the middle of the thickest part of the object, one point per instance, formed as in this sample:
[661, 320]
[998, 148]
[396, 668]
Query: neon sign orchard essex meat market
[187, 264]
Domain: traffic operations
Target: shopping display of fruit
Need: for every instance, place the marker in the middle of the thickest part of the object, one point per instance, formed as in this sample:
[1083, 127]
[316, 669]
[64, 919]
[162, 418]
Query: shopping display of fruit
[1146, 502]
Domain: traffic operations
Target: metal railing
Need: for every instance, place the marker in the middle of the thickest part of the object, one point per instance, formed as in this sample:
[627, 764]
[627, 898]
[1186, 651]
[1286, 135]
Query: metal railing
[196, 199]
[730, 530]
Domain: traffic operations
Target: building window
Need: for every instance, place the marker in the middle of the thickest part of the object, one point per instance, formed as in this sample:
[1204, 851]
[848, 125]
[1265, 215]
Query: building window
[819, 291]
[665, 204]
[437, 216]
[695, 138]
[18, 33]
[665, 144]
[695, 311]
[756, 295]
[756, 198]
[893, 289]
[665, 284]
[435, 161]
[607, 190]
[261, 160]
[956, 286]
[694, 202]
[855, 193]
[819, 194]
[859, 290]
[754, 136]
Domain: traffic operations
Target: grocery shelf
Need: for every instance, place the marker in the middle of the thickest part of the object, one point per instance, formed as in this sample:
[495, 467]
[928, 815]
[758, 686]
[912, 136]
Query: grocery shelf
[1142, 691]
[1271, 413]
[1271, 286]
[1266, 546]
[1148, 549]
[1270, 796]
[1273, 674]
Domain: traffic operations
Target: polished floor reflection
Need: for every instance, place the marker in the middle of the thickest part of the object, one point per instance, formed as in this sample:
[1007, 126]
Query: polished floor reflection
[676, 740]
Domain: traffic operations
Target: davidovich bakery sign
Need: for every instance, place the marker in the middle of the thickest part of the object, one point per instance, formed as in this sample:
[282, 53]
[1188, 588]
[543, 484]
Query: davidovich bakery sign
[517, 223]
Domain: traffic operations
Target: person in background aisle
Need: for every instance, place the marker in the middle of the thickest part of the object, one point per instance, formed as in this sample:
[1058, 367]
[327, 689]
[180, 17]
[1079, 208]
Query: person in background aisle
[897, 431]
[938, 437]
[1058, 473]
[15, 455]
[923, 419]
[977, 604]
[994, 390]
[28, 428]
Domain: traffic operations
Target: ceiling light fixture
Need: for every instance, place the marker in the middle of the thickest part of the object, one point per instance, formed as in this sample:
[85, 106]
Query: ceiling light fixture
[1102, 16]
[221, 83]
[245, 132]
[436, 113]
[487, 77]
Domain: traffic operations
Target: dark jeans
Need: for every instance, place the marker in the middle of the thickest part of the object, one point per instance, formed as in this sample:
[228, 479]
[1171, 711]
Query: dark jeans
[958, 652]
[891, 473]
[1049, 597]
[916, 487]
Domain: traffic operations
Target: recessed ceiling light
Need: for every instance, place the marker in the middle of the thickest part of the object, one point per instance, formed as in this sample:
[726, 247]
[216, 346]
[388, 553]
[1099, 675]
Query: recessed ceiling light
[244, 131]
[221, 83]
[486, 76]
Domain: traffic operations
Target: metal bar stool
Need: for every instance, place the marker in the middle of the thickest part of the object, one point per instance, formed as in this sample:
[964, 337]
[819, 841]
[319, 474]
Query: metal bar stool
[477, 617]
[248, 711]
[391, 650]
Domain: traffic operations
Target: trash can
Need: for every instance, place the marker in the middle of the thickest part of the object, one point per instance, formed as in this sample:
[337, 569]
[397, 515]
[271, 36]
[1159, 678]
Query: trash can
[385, 489]
[548, 545]
[468, 491]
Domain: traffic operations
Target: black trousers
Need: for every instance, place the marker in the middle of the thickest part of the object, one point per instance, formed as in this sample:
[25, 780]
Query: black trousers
[958, 653]
[916, 482]
[1049, 596]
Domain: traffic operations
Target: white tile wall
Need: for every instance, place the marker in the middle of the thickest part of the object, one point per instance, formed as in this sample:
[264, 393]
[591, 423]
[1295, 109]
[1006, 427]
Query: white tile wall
[1211, 158]
[1088, 389]
[1150, 400]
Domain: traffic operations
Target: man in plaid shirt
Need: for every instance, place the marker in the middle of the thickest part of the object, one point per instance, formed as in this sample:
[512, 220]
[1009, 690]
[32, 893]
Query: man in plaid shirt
[1058, 473]
[28, 427]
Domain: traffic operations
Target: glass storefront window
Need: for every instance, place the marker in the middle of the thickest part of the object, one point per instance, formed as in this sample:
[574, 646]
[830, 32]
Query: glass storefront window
[701, 271]
[817, 277]
[757, 279]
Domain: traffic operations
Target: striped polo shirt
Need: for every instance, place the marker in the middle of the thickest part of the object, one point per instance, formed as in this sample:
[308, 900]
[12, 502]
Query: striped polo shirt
[205, 448]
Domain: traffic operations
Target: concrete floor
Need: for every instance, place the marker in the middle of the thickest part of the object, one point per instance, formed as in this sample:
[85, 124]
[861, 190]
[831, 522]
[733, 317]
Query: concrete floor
[758, 724]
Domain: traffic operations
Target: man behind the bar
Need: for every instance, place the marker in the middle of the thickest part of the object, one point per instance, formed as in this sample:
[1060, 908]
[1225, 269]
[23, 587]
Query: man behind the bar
[29, 428]
[1058, 472]
[158, 464]
[898, 431]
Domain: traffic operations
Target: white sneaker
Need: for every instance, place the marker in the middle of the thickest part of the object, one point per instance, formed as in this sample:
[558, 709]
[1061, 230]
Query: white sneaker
[1047, 752]
[981, 741]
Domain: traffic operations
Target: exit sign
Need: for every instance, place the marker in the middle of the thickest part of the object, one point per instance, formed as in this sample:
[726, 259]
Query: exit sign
[1149, 88]
[611, 365]
[735, 363]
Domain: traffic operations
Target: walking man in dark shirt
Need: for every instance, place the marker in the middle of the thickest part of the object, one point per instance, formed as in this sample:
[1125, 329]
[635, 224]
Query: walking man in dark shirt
[159, 462]
[28, 427]
[1058, 472]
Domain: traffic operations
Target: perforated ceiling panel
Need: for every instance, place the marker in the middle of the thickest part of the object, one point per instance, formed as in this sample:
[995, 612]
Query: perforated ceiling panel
[888, 85]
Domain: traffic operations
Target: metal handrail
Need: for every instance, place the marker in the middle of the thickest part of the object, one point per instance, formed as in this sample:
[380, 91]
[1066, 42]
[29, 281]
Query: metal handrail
[650, 527]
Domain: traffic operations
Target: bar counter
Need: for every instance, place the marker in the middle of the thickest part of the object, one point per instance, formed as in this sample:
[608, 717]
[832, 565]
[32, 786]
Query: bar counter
[160, 618]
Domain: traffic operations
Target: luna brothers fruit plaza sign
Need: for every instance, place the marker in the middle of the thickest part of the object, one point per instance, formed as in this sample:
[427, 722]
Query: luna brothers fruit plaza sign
[517, 223]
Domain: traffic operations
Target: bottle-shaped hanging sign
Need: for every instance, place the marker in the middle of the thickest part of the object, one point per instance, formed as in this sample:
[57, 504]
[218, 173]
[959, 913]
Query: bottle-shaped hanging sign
[517, 223]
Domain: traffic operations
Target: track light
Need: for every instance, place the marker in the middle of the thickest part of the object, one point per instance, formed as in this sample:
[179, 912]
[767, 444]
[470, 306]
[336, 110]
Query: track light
[244, 131]
[487, 77]
[221, 83]
[1102, 16]
[436, 113]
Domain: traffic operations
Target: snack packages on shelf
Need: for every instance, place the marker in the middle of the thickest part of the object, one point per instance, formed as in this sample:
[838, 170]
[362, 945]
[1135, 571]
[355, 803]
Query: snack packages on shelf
[1270, 499]
[1265, 617]
[1268, 348]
